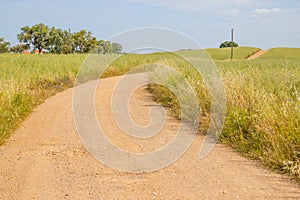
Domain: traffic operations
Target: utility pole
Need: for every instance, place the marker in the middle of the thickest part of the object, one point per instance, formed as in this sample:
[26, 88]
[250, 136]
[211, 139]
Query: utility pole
[231, 44]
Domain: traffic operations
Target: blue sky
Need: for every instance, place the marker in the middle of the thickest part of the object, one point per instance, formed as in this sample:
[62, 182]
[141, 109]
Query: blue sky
[261, 23]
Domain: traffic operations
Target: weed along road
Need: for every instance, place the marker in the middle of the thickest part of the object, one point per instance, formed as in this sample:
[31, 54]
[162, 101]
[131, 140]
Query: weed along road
[45, 159]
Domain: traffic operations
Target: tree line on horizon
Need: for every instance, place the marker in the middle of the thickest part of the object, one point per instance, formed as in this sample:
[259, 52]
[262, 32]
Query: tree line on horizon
[58, 41]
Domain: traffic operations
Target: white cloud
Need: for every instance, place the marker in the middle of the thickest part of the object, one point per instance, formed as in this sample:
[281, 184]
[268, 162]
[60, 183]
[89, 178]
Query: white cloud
[266, 11]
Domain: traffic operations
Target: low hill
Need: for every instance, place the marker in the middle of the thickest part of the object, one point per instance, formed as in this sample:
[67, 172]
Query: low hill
[239, 53]
[282, 53]
[223, 53]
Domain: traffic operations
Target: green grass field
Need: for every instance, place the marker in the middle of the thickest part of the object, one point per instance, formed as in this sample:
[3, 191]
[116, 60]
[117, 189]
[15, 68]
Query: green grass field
[239, 53]
[263, 96]
[282, 53]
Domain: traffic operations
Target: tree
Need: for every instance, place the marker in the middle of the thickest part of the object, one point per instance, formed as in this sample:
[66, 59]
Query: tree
[116, 48]
[60, 41]
[84, 42]
[19, 48]
[4, 46]
[228, 44]
[37, 36]
[55, 40]
[68, 44]
[106, 47]
[100, 47]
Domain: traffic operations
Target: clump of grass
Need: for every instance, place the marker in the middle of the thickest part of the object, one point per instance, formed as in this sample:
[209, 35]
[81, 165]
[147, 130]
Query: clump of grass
[292, 168]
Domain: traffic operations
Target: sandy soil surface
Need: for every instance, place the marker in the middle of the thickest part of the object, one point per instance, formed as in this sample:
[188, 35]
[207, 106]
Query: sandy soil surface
[45, 159]
[258, 54]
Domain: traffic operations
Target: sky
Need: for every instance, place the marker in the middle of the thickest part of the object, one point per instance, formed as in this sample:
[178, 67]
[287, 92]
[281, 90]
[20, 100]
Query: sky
[259, 23]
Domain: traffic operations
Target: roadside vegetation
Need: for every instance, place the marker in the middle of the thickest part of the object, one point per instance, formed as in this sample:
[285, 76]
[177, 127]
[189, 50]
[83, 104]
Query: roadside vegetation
[263, 116]
[263, 95]
[27, 80]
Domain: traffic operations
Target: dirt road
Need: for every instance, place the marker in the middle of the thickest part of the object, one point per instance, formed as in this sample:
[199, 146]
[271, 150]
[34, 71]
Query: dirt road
[256, 55]
[45, 159]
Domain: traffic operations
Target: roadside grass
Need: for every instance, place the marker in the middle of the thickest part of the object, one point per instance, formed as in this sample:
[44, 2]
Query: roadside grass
[263, 109]
[263, 97]
[27, 80]
[263, 116]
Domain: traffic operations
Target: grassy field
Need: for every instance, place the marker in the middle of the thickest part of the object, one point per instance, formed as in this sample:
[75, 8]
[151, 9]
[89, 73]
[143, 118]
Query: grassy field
[263, 96]
[282, 53]
[239, 53]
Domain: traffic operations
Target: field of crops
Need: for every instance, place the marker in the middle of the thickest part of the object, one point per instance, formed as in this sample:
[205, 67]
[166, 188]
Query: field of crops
[263, 95]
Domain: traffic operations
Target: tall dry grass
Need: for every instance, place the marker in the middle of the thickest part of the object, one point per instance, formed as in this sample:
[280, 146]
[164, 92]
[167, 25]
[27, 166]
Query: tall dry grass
[27, 80]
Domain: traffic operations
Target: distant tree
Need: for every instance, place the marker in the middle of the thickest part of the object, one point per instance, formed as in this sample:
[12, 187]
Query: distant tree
[55, 40]
[4, 46]
[68, 45]
[19, 48]
[100, 47]
[84, 42]
[106, 47]
[228, 44]
[116, 48]
[37, 36]
[60, 41]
